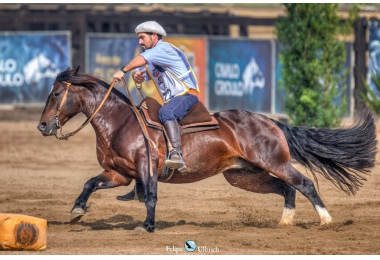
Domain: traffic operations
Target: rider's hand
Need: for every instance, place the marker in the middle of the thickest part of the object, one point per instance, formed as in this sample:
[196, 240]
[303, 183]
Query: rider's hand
[118, 76]
[138, 76]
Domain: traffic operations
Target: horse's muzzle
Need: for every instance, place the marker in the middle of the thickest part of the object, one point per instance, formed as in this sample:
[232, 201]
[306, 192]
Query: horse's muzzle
[46, 130]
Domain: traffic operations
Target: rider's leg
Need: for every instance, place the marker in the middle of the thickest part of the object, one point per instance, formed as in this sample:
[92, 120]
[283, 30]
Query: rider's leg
[170, 113]
[173, 132]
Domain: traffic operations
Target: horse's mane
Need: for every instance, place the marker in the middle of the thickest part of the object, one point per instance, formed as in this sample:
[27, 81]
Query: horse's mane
[87, 80]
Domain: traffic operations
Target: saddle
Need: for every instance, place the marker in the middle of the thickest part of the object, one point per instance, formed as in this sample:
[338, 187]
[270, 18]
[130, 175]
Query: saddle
[196, 120]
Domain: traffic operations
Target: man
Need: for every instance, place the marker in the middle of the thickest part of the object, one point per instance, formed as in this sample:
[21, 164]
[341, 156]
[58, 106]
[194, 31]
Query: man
[174, 78]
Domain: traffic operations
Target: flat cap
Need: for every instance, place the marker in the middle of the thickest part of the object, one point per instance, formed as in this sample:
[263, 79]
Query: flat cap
[151, 27]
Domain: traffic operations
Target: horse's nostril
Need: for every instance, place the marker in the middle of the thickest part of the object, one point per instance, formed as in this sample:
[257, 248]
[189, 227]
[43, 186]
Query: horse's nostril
[42, 126]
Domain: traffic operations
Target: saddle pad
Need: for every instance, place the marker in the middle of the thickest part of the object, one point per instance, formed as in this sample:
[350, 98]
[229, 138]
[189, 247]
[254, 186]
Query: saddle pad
[197, 114]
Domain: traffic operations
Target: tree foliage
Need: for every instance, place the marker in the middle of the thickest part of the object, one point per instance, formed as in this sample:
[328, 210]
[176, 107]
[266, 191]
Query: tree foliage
[371, 98]
[312, 61]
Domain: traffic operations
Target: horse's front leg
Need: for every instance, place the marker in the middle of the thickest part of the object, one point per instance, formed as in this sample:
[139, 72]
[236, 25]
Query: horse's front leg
[105, 180]
[150, 191]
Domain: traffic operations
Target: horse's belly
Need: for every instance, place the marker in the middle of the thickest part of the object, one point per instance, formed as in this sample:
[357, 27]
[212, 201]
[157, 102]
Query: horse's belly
[202, 171]
[189, 177]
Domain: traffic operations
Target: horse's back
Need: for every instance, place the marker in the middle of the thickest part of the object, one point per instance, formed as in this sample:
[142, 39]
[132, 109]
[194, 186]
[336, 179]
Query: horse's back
[244, 135]
[259, 138]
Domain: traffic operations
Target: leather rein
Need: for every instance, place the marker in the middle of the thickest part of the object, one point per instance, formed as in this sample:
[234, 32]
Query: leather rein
[135, 110]
[56, 117]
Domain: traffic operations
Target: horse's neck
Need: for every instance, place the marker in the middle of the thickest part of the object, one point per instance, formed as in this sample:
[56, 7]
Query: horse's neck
[114, 113]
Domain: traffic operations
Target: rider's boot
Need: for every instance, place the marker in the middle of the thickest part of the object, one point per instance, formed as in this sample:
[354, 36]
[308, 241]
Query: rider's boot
[136, 194]
[174, 160]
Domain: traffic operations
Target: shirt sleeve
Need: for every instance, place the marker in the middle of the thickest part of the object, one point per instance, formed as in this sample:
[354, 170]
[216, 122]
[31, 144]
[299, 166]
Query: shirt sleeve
[160, 55]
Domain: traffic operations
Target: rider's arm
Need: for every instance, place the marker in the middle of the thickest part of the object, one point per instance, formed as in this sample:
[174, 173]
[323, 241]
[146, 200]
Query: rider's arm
[137, 62]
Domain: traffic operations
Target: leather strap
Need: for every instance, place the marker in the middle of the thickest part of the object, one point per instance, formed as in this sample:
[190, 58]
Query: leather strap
[143, 128]
[66, 136]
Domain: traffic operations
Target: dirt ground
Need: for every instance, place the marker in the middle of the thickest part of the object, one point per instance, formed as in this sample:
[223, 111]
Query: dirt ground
[41, 177]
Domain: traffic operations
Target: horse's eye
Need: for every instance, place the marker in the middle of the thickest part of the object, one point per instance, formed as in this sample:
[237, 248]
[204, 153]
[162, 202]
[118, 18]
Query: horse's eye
[56, 94]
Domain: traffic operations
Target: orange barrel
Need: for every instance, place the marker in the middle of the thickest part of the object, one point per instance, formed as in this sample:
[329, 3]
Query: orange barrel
[21, 232]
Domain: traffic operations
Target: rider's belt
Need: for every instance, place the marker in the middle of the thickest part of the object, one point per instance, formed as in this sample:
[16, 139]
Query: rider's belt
[193, 92]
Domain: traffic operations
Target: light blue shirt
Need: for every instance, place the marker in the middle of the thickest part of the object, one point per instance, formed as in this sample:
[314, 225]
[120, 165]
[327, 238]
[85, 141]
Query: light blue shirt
[166, 56]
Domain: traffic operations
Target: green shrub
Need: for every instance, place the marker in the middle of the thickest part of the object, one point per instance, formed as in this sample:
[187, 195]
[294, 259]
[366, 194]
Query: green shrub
[313, 60]
[370, 98]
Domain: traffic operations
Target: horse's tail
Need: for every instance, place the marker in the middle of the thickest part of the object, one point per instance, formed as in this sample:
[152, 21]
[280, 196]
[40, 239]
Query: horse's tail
[342, 156]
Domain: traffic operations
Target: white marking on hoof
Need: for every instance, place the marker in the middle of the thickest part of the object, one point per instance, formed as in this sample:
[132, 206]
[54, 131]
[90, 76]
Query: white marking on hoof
[76, 215]
[287, 217]
[324, 215]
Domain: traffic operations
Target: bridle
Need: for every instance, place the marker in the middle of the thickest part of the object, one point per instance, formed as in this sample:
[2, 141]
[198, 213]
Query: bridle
[56, 117]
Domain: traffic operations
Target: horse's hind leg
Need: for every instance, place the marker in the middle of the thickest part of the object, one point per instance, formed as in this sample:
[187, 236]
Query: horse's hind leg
[264, 183]
[304, 185]
[105, 180]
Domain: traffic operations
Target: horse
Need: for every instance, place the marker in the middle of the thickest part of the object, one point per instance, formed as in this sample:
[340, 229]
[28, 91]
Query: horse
[251, 150]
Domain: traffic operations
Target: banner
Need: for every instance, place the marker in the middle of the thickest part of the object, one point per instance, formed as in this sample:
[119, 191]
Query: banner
[348, 66]
[29, 64]
[374, 57]
[240, 75]
[107, 53]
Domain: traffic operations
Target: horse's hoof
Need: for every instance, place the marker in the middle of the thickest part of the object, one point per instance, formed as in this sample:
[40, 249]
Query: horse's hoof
[286, 223]
[140, 230]
[326, 221]
[76, 215]
[131, 197]
[287, 217]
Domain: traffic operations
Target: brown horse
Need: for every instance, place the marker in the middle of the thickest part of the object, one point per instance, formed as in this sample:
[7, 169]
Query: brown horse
[252, 151]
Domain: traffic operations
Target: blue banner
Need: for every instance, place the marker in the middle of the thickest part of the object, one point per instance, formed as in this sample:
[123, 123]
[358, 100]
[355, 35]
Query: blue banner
[240, 75]
[107, 54]
[29, 64]
[348, 82]
[374, 57]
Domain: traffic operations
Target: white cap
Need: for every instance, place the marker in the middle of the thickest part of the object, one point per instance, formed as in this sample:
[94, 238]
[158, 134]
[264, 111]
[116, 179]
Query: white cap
[151, 27]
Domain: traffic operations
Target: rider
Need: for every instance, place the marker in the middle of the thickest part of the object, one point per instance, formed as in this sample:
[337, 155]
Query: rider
[170, 71]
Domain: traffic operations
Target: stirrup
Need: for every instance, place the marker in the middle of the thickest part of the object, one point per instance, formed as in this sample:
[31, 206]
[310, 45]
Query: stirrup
[175, 164]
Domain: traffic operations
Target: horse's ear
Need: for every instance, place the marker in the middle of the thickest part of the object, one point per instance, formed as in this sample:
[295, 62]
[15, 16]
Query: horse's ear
[68, 68]
[76, 71]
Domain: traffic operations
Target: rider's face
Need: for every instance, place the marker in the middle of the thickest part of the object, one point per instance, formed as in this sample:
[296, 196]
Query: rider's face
[147, 41]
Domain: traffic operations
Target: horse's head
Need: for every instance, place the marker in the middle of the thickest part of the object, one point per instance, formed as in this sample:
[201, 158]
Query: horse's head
[62, 104]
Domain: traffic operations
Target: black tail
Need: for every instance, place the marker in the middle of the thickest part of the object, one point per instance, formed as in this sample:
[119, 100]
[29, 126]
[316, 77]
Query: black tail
[342, 156]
